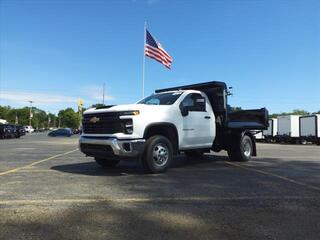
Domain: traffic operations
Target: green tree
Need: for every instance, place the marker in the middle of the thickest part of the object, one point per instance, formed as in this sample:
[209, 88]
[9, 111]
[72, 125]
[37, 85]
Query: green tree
[39, 119]
[69, 118]
[294, 112]
[22, 115]
[300, 112]
[52, 120]
[236, 108]
[97, 105]
[4, 111]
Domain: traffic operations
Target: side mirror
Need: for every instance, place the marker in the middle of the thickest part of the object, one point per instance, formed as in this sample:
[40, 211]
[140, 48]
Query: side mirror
[184, 111]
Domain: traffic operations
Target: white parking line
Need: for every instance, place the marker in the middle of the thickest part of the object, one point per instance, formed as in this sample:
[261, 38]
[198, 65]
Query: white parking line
[36, 162]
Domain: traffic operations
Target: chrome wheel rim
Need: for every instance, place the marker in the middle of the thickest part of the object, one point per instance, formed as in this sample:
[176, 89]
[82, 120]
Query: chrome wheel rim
[247, 148]
[160, 154]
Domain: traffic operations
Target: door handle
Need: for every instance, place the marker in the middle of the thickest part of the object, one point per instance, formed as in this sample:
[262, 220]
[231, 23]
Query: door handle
[207, 117]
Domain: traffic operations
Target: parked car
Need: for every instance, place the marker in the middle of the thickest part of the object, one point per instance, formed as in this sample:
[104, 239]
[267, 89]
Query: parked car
[14, 131]
[29, 129]
[8, 131]
[61, 132]
[76, 131]
[11, 131]
[20, 131]
[4, 131]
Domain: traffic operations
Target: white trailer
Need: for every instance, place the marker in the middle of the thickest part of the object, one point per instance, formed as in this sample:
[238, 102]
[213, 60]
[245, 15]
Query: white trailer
[288, 128]
[258, 135]
[272, 130]
[310, 128]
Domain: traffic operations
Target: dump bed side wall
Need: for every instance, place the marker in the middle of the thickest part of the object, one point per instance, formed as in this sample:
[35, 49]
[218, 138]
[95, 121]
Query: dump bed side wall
[253, 119]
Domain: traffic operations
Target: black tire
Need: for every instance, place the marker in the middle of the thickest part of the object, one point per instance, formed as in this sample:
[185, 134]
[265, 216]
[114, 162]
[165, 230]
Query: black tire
[242, 150]
[194, 153]
[107, 163]
[303, 142]
[158, 154]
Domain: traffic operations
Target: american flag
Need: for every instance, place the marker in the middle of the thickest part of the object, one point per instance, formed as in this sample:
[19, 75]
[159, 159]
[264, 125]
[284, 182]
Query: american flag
[154, 50]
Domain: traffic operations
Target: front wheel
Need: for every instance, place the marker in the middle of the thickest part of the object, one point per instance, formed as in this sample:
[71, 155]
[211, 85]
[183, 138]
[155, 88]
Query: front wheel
[106, 163]
[242, 150]
[158, 154]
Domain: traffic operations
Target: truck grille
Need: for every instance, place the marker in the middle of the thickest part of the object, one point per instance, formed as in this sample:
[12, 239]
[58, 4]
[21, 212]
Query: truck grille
[104, 123]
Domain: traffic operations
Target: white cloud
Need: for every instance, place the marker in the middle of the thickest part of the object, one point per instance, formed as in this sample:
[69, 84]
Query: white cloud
[53, 102]
[22, 97]
[95, 93]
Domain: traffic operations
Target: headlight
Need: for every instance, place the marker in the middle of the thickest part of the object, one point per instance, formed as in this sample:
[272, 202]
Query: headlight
[134, 112]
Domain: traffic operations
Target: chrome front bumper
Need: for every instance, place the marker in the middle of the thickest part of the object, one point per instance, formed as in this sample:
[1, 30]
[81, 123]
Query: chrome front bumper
[100, 147]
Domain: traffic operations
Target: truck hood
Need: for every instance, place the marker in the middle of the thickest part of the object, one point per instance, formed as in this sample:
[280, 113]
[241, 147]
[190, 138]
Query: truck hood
[127, 107]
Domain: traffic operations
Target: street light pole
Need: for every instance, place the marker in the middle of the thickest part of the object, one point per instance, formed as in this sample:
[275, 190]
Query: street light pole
[49, 120]
[103, 93]
[30, 114]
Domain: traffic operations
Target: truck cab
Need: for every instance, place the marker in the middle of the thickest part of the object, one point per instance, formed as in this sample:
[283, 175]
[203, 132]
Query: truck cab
[192, 119]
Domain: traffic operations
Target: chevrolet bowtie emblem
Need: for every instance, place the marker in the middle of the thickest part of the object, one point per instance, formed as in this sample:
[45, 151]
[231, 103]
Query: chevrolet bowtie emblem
[94, 119]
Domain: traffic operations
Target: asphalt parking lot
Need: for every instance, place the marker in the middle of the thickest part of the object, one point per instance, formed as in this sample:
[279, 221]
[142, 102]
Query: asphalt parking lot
[49, 190]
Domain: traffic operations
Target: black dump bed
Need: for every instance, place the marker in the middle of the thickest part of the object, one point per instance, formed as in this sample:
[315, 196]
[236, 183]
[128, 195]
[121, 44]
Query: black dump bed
[255, 119]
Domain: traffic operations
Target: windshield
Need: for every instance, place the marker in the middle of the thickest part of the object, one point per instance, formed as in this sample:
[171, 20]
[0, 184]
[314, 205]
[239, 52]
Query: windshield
[161, 98]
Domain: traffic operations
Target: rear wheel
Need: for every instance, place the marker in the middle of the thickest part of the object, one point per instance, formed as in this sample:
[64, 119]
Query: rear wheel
[158, 154]
[242, 150]
[106, 163]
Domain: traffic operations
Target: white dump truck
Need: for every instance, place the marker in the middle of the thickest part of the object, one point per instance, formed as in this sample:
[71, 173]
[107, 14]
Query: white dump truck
[193, 119]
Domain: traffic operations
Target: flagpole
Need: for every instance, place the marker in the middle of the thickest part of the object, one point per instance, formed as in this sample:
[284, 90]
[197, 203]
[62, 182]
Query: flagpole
[144, 58]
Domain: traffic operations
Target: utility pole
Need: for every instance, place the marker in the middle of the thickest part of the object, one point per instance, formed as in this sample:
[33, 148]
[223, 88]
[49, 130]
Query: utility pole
[103, 93]
[30, 114]
[16, 120]
[49, 120]
[80, 105]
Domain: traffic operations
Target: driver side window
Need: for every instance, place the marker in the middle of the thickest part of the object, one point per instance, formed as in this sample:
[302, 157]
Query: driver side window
[194, 102]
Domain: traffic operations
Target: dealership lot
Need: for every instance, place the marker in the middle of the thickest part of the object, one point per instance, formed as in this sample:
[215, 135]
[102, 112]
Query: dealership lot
[49, 190]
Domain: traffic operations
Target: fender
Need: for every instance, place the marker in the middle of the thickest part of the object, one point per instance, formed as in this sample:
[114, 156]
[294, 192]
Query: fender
[174, 133]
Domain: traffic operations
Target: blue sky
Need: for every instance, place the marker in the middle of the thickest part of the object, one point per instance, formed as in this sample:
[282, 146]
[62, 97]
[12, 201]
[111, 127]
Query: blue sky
[53, 52]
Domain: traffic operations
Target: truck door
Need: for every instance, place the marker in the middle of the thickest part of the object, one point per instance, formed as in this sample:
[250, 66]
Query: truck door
[198, 124]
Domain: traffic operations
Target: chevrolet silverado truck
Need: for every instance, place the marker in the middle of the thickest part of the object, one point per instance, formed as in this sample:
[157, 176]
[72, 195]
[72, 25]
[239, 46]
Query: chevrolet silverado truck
[192, 119]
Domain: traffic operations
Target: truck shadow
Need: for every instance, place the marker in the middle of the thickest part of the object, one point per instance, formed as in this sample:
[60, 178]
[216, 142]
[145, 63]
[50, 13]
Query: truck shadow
[131, 167]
